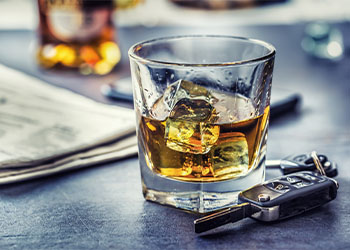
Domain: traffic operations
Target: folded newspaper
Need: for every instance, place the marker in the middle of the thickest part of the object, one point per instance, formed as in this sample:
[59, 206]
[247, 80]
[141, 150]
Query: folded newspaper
[46, 129]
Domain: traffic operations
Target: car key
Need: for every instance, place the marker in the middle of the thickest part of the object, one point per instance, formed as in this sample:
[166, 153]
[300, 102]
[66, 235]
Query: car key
[303, 162]
[275, 199]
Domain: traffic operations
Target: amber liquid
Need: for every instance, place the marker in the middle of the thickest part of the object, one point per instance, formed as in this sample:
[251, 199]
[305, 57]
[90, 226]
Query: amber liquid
[230, 146]
[78, 35]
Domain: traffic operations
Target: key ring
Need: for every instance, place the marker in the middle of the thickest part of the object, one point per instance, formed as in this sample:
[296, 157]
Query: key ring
[317, 163]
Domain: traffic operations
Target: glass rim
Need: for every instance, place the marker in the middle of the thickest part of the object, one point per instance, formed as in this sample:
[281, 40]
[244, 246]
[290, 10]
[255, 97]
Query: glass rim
[267, 45]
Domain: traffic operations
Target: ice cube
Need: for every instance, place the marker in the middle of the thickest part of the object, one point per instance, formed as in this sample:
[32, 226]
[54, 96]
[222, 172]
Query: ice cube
[192, 110]
[174, 93]
[230, 156]
[190, 128]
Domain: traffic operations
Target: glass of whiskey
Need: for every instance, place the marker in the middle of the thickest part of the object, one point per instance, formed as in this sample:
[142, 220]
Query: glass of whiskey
[202, 109]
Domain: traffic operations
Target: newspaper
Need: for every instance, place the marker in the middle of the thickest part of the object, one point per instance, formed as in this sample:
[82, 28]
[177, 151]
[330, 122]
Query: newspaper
[46, 127]
[120, 149]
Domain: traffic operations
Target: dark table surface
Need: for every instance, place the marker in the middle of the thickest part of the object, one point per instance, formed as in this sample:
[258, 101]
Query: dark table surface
[102, 207]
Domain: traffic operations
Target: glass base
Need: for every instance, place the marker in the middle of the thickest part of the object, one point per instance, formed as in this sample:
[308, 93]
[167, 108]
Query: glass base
[199, 197]
[199, 202]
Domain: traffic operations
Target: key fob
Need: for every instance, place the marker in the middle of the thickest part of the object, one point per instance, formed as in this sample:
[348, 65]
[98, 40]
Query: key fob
[289, 195]
[275, 199]
[304, 162]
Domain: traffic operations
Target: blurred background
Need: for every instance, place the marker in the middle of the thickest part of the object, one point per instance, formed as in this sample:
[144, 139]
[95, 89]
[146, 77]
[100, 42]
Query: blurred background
[22, 14]
[126, 22]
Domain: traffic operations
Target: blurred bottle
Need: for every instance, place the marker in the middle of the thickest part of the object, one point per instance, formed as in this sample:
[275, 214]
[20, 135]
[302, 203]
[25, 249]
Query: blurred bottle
[77, 34]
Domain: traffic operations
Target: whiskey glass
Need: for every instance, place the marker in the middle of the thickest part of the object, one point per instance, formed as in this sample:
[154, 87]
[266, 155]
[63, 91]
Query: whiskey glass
[202, 108]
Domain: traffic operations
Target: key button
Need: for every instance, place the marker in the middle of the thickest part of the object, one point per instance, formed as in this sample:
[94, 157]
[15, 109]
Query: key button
[263, 197]
[312, 178]
[277, 186]
[293, 180]
[302, 184]
[280, 187]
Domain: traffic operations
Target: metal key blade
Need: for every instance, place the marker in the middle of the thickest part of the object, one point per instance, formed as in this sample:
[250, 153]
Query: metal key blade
[223, 217]
[285, 166]
[273, 163]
